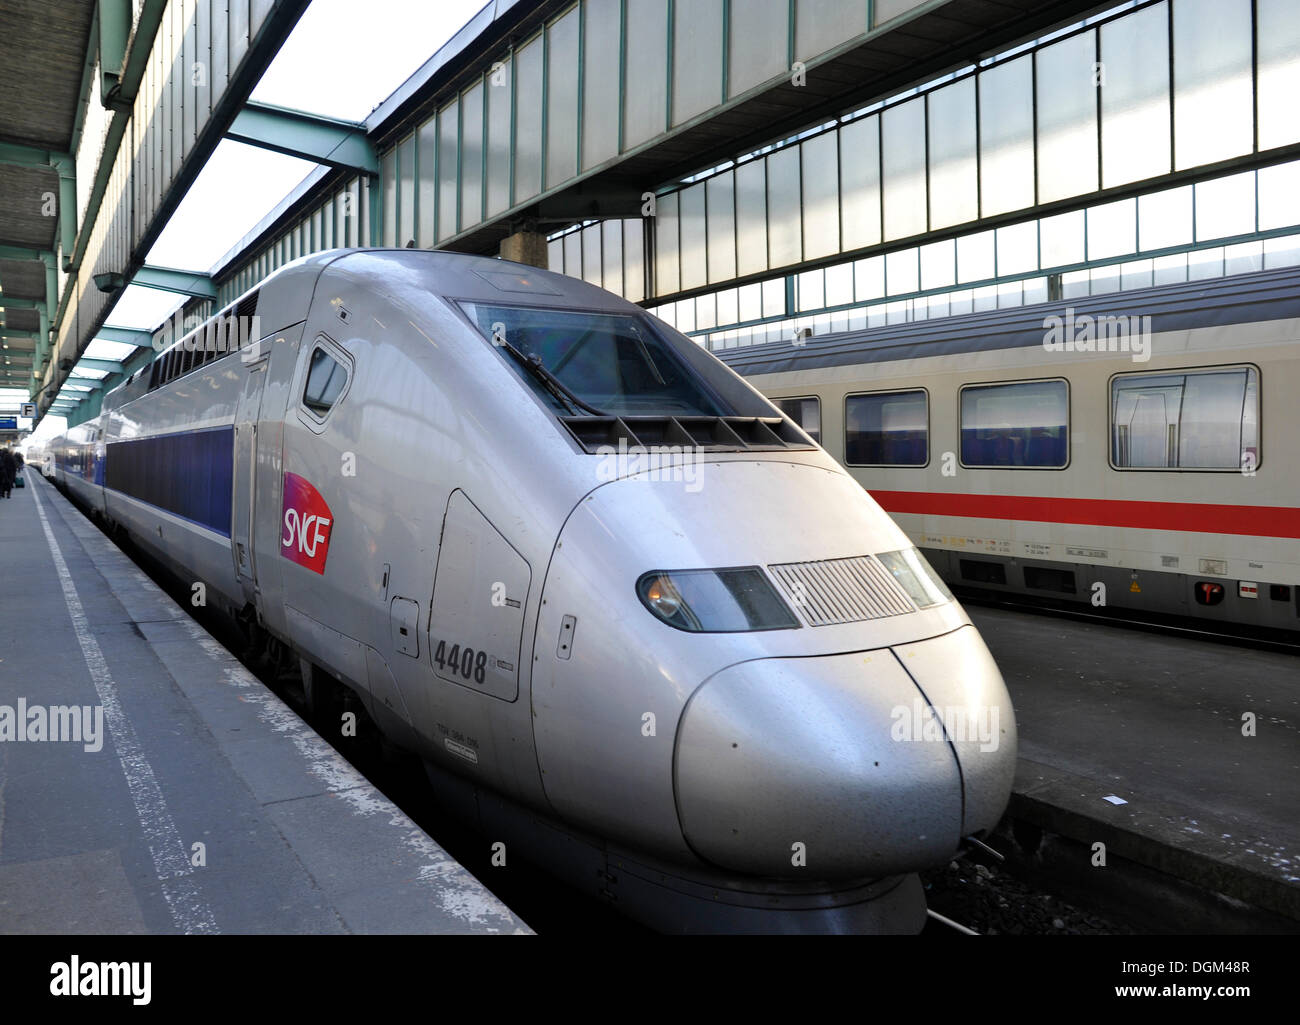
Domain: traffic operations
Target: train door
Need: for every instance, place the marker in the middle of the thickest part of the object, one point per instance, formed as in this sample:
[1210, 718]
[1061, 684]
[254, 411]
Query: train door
[244, 492]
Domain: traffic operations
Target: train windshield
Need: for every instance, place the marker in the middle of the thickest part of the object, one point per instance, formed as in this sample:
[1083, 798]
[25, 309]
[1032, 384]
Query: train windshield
[599, 364]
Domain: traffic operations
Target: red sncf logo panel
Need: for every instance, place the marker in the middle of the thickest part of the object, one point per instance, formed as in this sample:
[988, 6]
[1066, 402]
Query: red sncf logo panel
[307, 522]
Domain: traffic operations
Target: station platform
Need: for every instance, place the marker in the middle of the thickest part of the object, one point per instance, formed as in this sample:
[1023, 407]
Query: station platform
[201, 803]
[1135, 740]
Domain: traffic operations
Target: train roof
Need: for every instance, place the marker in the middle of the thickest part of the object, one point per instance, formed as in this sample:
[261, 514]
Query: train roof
[1236, 299]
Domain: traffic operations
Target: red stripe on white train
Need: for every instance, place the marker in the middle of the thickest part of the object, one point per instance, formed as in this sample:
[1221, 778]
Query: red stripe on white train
[1248, 520]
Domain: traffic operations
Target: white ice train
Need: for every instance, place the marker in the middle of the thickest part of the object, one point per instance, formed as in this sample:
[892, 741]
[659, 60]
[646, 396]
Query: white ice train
[651, 634]
[1135, 449]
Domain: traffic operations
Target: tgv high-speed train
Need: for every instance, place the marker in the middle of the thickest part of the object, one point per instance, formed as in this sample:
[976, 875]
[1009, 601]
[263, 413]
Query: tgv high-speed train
[657, 639]
[1134, 450]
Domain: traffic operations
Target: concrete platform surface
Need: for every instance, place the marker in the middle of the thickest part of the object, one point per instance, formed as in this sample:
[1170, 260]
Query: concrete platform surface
[1160, 723]
[201, 803]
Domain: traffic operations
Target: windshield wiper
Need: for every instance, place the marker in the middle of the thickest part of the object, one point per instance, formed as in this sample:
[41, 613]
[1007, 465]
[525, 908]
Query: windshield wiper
[533, 364]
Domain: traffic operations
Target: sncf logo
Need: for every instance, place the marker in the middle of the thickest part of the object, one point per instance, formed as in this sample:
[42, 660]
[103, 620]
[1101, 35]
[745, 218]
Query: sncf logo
[307, 522]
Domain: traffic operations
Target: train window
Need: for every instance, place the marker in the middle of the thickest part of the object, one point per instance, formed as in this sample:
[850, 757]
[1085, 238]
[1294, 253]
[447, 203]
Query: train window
[1020, 425]
[325, 379]
[613, 364]
[1190, 420]
[807, 413]
[887, 429]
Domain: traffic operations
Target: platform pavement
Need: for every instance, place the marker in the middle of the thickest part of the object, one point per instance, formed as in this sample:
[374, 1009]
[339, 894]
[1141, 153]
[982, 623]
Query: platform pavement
[195, 750]
[1157, 721]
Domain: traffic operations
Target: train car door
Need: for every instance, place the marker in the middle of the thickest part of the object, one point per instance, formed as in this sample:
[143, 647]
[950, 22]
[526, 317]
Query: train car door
[244, 493]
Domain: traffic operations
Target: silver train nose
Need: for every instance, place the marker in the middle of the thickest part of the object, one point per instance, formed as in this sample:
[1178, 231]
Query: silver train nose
[861, 764]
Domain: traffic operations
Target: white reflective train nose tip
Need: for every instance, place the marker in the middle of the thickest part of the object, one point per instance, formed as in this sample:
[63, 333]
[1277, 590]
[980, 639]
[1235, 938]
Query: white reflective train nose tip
[829, 767]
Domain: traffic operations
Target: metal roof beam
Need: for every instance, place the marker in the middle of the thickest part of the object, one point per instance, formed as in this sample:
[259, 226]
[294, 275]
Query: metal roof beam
[86, 363]
[296, 133]
[165, 279]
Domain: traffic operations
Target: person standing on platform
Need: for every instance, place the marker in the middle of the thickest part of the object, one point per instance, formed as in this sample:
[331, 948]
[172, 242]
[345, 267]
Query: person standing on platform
[7, 470]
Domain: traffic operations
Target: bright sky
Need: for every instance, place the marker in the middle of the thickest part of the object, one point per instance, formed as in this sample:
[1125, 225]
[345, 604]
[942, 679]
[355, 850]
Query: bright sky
[342, 61]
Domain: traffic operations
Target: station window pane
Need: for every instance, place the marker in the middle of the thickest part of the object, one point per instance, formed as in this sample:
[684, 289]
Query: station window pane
[721, 245]
[1135, 97]
[810, 290]
[634, 280]
[427, 150]
[839, 284]
[600, 55]
[902, 272]
[821, 196]
[645, 99]
[612, 255]
[694, 234]
[860, 182]
[903, 128]
[783, 207]
[869, 279]
[939, 264]
[1165, 218]
[471, 157]
[953, 178]
[821, 25]
[448, 132]
[498, 140]
[592, 260]
[1225, 206]
[1278, 42]
[389, 166]
[1282, 252]
[1017, 248]
[573, 254]
[1024, 424]
[728, 307]
[1213, 92]
[887, 9]
[751, 217]
[774, 298]
[697, 58]
[1067, 118]
[528, 120]
[758, 44]
[405, 190]
[975, 257]
[562, 99]
[1112, 229]
[1201, 420]
[1007, 137]
[666, 243]
[1061, 239]
[1279, 195]
[887, 429]
[807, 413]
[325, 380]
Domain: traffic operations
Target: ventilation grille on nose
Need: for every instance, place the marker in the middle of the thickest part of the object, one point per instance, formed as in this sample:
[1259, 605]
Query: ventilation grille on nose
[841, 590]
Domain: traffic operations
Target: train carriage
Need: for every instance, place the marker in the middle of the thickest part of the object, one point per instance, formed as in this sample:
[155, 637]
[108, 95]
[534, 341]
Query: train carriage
[1133, 450]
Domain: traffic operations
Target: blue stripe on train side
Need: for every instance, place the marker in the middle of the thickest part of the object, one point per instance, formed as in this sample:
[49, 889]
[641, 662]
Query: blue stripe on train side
[189, 474]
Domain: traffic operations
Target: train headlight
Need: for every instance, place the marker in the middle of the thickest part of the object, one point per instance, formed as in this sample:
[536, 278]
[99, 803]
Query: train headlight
[916, 576]
[715, 600]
